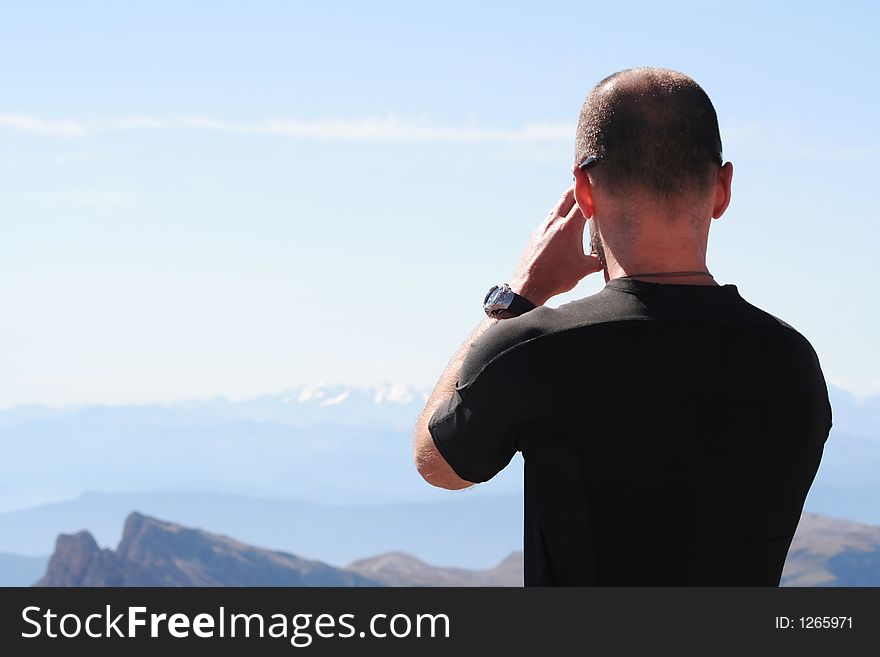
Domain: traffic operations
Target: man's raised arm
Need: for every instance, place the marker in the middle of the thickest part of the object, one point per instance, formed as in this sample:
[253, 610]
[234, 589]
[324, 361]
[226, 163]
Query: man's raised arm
[552, 263]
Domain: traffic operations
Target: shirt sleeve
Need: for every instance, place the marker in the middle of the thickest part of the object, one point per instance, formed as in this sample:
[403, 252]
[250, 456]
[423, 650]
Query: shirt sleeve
[476, 428]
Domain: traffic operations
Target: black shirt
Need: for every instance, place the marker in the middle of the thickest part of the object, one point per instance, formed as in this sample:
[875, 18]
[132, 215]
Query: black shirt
[670, 434]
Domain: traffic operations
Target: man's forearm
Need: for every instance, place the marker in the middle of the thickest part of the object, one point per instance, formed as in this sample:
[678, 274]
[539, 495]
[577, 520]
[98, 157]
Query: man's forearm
[436, 470]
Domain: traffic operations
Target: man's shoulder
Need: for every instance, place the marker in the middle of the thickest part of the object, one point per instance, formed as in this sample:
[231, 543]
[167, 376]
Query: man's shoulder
[760, 316]
[607, 311]
[528, 332]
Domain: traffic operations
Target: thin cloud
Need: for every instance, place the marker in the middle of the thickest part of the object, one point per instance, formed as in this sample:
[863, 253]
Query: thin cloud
[388, 128]
[36, 125]
[752, 138]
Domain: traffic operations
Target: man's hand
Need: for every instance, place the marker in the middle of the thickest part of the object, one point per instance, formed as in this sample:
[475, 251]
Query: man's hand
[554, 261]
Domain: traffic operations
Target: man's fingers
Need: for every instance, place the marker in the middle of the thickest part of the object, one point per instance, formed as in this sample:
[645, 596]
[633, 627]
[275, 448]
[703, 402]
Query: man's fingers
[565, 203]
[575, 214]
[576, 222]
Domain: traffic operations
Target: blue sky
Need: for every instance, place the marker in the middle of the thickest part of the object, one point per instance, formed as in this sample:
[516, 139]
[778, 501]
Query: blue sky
[237, 198]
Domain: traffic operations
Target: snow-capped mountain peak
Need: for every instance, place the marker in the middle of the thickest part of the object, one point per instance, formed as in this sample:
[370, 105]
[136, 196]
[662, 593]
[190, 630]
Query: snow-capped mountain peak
[322, 394]
[396, 393]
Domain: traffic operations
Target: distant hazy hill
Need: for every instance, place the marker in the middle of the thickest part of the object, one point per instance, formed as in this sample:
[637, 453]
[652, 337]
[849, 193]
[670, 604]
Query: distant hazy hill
[20, 570]
[401, 569]
[156, 553]
[833, 552]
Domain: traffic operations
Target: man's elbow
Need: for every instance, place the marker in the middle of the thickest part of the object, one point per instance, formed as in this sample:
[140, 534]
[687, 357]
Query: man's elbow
[437, 472]
[444, 480]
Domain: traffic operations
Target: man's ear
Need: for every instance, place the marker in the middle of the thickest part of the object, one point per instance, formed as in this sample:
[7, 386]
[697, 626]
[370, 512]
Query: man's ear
[722, 190]
[583, 192]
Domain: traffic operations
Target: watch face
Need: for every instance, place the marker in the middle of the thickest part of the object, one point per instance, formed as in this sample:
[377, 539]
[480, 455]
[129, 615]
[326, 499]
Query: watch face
[497, 299]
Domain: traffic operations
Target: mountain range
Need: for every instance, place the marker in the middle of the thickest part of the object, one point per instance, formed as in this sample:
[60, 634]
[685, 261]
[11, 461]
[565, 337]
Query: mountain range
[156, 553]
[321, 443]
[151, 552]
[465, 530]
[326, 444]
[320, 471]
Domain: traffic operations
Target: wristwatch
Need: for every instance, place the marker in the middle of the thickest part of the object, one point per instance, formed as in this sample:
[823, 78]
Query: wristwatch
[503, 303]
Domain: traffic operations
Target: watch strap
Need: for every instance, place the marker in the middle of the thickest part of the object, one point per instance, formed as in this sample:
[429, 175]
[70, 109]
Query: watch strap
[519, 305]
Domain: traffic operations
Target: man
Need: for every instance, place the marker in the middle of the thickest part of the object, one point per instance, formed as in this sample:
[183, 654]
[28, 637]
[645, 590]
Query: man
[670, 430]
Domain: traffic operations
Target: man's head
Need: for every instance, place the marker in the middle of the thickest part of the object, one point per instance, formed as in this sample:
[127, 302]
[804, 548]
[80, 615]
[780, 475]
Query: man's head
[654, 149]
[650, 128]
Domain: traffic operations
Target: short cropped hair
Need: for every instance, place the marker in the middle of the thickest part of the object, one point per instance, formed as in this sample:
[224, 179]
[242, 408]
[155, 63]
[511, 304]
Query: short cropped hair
[649, 128]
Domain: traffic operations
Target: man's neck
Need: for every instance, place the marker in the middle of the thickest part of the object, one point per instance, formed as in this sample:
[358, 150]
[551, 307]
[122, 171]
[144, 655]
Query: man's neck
[663, 251]
[690, 271]
[677, 278]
